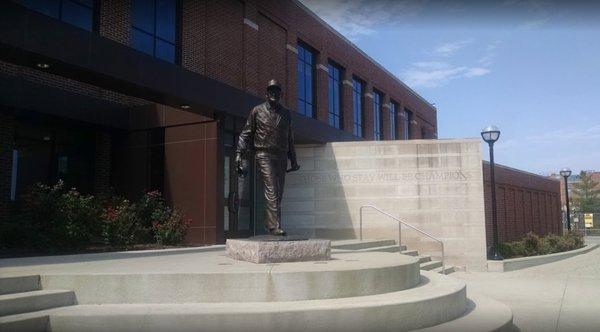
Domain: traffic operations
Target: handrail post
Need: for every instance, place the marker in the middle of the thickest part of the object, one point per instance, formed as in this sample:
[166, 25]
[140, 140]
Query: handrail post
[399, 235]
[400, 223]
[360, 228]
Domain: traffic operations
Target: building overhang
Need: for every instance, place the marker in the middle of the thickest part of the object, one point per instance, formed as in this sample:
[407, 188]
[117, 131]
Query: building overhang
[28, 38]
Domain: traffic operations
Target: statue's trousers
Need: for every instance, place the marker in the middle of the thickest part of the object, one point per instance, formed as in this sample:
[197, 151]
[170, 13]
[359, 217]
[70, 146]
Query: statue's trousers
[272, 166]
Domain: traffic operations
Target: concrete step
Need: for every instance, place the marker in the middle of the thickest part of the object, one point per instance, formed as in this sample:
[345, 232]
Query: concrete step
[447, 270]
[345, 275]
[424, 259]
[483, 314]
[430, 265]
[392, 248]
[354, 244]
[444, 299]
[410, 252]
[20, 284]
[11, 304]
[37, 321]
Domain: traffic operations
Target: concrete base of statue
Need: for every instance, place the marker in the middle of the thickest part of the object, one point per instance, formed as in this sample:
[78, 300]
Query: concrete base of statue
[278, 249]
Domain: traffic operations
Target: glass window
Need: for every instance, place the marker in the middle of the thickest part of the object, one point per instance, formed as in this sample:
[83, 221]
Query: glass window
[377, 98]
[357, 107]
[335, 96]
[406, 119]
[393, 119]
[79, 13]
[153, 28]
[306, 69]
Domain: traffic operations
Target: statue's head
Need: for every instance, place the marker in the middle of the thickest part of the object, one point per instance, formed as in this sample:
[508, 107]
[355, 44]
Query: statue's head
[273, 91]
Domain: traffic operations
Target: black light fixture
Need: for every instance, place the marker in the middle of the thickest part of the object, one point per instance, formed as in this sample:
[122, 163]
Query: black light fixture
[42, 65]
[565, 173]
[185, 106]
[490, 135]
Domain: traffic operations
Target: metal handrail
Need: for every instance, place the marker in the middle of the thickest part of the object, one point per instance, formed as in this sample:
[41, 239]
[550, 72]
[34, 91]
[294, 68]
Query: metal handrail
[400, 229]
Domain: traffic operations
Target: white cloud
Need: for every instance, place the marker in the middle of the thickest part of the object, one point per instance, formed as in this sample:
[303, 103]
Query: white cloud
[434, 73]
[357, 18]
[448, 49]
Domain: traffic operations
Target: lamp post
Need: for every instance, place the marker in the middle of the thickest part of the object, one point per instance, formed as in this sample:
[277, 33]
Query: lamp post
[491, 134]
[566, 172]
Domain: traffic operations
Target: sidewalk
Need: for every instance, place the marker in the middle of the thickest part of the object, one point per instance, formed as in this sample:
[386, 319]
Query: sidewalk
[560, 296]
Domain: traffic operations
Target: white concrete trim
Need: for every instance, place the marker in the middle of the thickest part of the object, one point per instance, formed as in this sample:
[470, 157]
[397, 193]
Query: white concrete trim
[291, 48]
[386, 105]
[369, 95]
[413, 121]
[323, 67]
[251, 24]
[348, 83]
[524, 262]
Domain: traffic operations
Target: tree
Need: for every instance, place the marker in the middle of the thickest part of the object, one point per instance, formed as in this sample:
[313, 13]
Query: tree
[586, 196]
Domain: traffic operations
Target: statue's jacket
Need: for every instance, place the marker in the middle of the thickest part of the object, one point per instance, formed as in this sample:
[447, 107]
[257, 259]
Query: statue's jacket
[268, 130]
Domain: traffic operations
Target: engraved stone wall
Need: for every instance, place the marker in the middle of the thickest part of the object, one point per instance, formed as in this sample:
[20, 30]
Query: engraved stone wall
[434, 185]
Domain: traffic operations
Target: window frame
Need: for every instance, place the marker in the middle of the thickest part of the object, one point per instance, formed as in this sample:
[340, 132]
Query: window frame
[407, 114]
[393, 119]
[377, 113]
[154, 35]
[358, 120]
[94, 13]
[303, 47]
[338, 82]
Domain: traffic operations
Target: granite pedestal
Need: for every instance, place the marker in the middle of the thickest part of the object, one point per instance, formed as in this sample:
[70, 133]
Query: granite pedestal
[278, 249]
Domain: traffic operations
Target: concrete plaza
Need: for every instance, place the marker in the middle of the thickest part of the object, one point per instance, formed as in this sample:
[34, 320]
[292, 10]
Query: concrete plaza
[560, 296]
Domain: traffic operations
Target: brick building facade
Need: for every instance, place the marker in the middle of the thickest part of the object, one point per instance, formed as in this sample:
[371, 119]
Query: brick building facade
[525, 203]
[84, 102]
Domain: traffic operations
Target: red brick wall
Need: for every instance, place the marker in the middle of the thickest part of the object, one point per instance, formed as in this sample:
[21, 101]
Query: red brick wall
[525, 203]
[115, 20]
[7, 134]
[217, 42]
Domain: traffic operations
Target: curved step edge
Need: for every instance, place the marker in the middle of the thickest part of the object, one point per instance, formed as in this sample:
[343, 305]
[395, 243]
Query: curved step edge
[439, 300]
[483, 314]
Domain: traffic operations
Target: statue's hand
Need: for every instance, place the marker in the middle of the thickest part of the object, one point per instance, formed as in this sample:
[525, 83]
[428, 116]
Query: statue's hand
[294, 167]
[240, 167]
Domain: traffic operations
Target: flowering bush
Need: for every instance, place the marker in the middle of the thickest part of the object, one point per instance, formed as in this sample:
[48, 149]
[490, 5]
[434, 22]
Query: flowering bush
[151, 208]
[173, 230]
[121, 226]
[58, 218]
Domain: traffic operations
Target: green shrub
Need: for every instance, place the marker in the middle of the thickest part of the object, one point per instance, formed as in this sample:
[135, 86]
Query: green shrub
[533, 245]
[173, 230]
[53, 218]
[152, 209]
[120, 225]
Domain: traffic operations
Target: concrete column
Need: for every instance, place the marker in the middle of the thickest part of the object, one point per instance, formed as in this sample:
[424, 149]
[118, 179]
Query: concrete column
[347, 104]
[251, 77]
[322, 87]
[7, 138]
[368, 108]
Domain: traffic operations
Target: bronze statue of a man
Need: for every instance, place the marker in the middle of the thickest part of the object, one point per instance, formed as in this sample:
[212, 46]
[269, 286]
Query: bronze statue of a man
[268, 131]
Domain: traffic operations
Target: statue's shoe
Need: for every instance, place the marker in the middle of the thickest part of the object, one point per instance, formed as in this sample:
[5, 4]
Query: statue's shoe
[277, 232]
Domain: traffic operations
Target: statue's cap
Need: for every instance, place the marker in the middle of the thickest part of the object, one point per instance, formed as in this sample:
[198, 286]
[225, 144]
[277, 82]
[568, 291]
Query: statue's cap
[273, 84]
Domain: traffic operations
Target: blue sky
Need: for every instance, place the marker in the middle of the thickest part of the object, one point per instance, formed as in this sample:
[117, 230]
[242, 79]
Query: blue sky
[530, 67]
